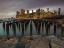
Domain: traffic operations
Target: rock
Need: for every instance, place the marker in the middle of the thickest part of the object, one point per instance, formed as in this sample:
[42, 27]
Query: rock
[11, 45]
[56, 42]
[35, 41]
[38, 43]
[7, 45]
[25, 39]
[36, 36]
[62, 39]
[3, 39]
[19, 45]
[15, 39]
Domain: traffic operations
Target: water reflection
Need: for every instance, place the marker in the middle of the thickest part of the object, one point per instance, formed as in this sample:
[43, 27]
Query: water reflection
[38, 28]
[26, 24]
[7, 29]
[35, 24]
[62, 31]
[46, 28]
[4, 26]
[42, 25]
[54, 28]
[22, 29]
[19, 26]
[14, 29]
[30, 27]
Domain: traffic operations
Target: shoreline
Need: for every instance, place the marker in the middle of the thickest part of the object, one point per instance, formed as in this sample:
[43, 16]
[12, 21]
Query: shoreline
[35, 41]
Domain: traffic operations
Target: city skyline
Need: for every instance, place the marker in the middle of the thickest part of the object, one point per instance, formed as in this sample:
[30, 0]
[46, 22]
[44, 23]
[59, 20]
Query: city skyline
[8, 8]
[39, 14]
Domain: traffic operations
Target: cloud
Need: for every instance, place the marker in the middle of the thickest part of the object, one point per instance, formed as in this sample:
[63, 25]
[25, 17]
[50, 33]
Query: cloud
[9, 7]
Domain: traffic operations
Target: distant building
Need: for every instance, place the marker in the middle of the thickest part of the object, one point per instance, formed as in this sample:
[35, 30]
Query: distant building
[40, 13]
[59, 9]
[47, 9]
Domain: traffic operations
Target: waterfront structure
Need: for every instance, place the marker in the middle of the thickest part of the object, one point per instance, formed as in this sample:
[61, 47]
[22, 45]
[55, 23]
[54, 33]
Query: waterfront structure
[40, 13]
[59, 9]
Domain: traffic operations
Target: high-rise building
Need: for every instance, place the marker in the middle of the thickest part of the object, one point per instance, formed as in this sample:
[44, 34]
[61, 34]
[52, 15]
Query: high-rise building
[22, 11]
[32, 11]
[17, 14]
[47, 9]
[59, 9]
[40, 13]
[27, 11]
[55, 13]
[41, 10]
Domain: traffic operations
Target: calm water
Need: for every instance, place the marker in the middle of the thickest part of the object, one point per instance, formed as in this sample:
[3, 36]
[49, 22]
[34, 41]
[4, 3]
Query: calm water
[17, 31]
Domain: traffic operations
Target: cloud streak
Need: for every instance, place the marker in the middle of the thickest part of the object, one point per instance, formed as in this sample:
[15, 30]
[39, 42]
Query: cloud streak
[9, 7]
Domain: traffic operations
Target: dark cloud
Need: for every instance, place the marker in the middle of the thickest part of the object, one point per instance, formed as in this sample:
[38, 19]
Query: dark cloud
[9, 7]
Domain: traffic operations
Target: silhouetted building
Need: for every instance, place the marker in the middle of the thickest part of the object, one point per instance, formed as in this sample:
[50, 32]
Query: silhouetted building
[22, 11]
[17, 14]
[32, 11]
[55, 13]
[27, 11]
[47, 9]
[59, 9]
[40, 13]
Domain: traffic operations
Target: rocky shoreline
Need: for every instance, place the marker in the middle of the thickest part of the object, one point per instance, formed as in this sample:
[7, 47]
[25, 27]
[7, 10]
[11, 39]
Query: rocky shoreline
[35, 41]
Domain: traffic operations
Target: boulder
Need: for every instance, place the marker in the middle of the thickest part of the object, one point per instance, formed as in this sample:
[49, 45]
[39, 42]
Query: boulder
[35, 41]
[11, 45]
[55, 41]
[15, 39]
[7, 45]
[25, 39]
[38, 43]
[19, 45]
[3, 39]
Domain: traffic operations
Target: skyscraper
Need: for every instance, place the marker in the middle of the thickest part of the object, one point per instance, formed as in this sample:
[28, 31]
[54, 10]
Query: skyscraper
[27, 11]
[47, 9]
[59, 9]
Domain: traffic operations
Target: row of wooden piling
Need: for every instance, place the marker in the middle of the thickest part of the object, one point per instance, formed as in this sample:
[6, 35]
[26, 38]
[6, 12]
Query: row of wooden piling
[25, 23]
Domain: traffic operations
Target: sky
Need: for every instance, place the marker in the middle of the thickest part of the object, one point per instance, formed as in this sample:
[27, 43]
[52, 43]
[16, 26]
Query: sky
[8, 8]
